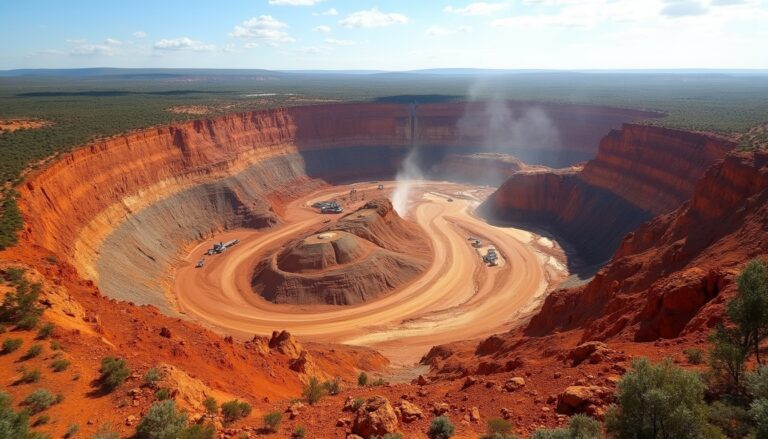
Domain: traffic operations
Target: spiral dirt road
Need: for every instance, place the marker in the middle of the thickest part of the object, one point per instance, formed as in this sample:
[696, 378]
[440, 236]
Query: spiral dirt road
[457, 298]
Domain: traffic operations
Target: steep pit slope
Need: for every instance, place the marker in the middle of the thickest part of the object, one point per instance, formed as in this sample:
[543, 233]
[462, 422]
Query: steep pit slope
[361, 257]
[671, 268]
[487, 168]
[639, 172]
[122, 209]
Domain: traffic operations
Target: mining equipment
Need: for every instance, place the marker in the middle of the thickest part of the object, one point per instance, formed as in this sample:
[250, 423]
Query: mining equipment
[328, 207]
[218, 247]
[200, 263]
[450, 200]
[491, 257]
[381, 187]
[476, 243]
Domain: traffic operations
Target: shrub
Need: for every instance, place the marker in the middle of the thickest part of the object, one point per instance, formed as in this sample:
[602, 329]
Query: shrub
[726, 359]
[362, 379]
[2, 329]
[14, 425]
[105, 432]
[749, 309]
[498, 429]
[11, 344]
[163, 394]
[40, 400]
[60, 365]
[234, 410]
[71, 431]
[379, 382]
[29, 377]
[114, 371]
[45, 331]
[658, 401]
[272, 421]
[441, 428]
[733, 420]
[55, 345]
[32, 352]
[198, 432]
[21, 307]
[299, 433]
[757, 382]
[161, 421]
[313, 391]
[694, 356]
[759, 413]
[152, 376]
[389, 436]
[211, 406]
[332, 387]
[357, 403]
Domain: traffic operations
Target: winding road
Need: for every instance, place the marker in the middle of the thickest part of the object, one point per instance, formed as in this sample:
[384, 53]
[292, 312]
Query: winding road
[457, 298]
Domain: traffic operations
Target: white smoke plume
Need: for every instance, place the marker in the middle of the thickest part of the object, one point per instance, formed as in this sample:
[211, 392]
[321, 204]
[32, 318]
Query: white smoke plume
[407, 175]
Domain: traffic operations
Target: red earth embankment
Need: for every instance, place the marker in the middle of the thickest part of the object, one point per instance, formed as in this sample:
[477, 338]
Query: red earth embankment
[639, 172]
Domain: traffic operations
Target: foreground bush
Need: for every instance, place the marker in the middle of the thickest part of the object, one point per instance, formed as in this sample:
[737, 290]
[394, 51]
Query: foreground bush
[579, 427]
[40, 400]
[163, 421]
[234, 410]
[659, 401]
[272, 421]
[21, 306]
[441, 428]
[14, 425]
[313, 391]
[11, 345]
[114, 371]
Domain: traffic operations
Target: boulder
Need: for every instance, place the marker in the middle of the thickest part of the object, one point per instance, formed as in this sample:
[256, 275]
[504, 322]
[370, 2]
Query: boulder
[514, 383]
[286, 344]
[375, 417]
[595, 351]
[575, 399]
[409, 412]
[474, 414]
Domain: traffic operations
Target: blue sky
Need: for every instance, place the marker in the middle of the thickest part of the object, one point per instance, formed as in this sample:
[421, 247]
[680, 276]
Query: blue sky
[387, 35]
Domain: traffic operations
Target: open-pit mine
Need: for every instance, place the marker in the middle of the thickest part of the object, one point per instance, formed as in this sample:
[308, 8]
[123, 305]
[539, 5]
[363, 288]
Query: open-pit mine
[137, 214]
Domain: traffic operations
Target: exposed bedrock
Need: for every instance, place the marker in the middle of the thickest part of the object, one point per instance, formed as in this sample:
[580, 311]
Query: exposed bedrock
[664, 277]
[364, 255]
[639, 172]
[121, 209]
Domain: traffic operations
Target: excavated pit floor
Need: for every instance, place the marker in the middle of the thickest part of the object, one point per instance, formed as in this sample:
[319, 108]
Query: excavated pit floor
[458, 297]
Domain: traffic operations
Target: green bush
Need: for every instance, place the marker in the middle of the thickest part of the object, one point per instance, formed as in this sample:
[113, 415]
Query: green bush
[11, 344]
[357, 403]
[332, 387]
[162, 421]
[378, 382]
[163, 394]
[498, 425]
[29, 377]
[759, 413]
[299, 433]
[272, 421]
[441, 428]
[60, 365]
[71, 431]
[313, 391]
[362, 379]
[749, 309]
[32, 352]
[12, 424]
[734, 421]
[40, 400]
[41, 420]
[55, 345]
[234, 410]
[45, 331]
[21, 306]
[105, 432]
[211, 406]
[152, 376]
[114, 372]
[659, 401]
[694, 356]
[579, 427]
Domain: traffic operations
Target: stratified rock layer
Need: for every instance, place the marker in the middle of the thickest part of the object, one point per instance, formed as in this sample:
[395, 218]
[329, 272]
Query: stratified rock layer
[639, 172]
[364, 255]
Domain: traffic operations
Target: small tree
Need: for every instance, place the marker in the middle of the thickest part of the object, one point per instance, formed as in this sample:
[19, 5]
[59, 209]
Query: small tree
[759, 413]
[362, 379]
[749, 309]
[659, 401]
[272, 421]
[152, 376]
[441, 428]
[234, 410]
[498, 429]
[162, 421]
[332, 387]
[114, 371]
[13, 424]
[211, 406]
[313, 391]
[727, 358]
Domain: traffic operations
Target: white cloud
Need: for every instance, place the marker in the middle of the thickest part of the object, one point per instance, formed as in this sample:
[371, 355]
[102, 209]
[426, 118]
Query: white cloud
[683, 8]
[183, 43]
[139, 34]
[321, 29]
[330, 12]
[436, 31]
[373, 18]
[112, 42]
[93, 50]
[336, 42]
[294, 2]
[476, 8]
[263, 28]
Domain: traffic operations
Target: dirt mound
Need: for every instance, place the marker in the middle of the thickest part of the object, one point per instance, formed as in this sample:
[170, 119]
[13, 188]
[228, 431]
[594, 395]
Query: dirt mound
[364, 255]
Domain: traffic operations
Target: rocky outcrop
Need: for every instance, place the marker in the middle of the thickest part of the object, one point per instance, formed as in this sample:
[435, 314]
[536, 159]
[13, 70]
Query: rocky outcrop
[639, 172]
[362, 256]
[375, 417]
[665, 276]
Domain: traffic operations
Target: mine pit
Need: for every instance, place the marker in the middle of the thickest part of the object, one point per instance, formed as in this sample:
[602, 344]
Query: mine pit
[359, 273]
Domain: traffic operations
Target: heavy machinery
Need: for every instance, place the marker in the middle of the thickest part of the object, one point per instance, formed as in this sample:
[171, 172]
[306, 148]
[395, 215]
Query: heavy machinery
[200, 263]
